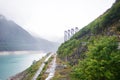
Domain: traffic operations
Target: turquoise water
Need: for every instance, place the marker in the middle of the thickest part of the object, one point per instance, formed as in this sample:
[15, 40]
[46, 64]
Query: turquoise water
[11, 64]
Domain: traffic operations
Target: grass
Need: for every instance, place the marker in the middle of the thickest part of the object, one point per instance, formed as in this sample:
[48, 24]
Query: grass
[44, 75]
[30, 72]
[62, 73]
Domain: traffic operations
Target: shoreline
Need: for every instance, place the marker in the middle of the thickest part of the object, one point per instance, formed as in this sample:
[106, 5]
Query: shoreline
[19, 60]
[19, 52]
[26, 73]
[18, 76]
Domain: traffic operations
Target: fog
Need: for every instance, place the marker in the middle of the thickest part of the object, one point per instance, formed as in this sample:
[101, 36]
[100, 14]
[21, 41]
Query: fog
[49, 18]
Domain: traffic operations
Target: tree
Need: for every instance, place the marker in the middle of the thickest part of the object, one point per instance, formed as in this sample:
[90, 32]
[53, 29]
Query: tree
[102, 61]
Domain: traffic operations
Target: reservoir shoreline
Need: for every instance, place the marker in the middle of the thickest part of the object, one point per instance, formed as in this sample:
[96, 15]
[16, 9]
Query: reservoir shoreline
[14, 62]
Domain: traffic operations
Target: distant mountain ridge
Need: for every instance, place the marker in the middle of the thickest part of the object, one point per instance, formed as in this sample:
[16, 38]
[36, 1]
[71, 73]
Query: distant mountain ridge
[13, 37]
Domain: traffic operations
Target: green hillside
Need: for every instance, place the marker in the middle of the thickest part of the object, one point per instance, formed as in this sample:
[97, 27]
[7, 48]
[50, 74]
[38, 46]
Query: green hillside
[93, 51]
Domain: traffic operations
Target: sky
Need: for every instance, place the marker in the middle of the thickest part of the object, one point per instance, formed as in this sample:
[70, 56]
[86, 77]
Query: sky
[50, 18]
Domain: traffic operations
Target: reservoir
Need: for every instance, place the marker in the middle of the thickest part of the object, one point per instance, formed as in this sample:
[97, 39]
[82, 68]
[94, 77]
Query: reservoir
[12, 63]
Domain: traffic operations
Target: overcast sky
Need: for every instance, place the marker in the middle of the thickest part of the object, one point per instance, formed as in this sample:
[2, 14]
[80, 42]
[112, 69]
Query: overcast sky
[49, 18]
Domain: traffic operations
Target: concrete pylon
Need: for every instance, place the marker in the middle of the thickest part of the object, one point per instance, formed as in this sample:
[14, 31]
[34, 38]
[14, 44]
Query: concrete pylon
[72, 32]
[69, 33]
[76, 29]
[65, 35]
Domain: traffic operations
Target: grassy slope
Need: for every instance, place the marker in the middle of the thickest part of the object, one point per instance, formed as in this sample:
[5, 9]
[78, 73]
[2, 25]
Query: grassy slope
[108, 22]
[30, 72]
[104, 21]
[74, 49]
[62, 73]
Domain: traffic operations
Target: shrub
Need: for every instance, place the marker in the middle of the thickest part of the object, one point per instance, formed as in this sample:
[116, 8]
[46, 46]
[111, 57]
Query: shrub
[102, 61]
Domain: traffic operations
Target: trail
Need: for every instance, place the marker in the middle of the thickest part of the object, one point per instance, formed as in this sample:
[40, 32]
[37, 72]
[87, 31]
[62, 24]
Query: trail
[41, 67]
[51, 70]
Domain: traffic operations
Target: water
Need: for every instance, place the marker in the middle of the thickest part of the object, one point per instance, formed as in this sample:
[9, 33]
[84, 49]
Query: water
[12, 63]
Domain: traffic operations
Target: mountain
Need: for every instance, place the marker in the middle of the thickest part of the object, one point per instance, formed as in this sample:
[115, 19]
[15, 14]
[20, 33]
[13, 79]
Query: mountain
[94, 51]
[13, 37]
[47, 45]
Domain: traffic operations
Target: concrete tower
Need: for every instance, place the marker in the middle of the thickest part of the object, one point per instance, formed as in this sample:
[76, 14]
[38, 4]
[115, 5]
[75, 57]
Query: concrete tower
[65, 35]
[72, 32]
[76, 29]
[69, 33]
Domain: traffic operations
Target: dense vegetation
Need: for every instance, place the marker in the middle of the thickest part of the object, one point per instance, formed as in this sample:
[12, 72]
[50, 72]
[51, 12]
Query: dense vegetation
[101, 23]
[101, 63]
[65, 50]
[93, 51]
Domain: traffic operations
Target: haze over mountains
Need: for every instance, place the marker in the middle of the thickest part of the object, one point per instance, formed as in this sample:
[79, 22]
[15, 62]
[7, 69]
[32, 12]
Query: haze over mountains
[13, 38]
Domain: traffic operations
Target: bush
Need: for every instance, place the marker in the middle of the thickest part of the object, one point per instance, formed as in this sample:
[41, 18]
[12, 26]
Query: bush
[68, 47]
[102, 61]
